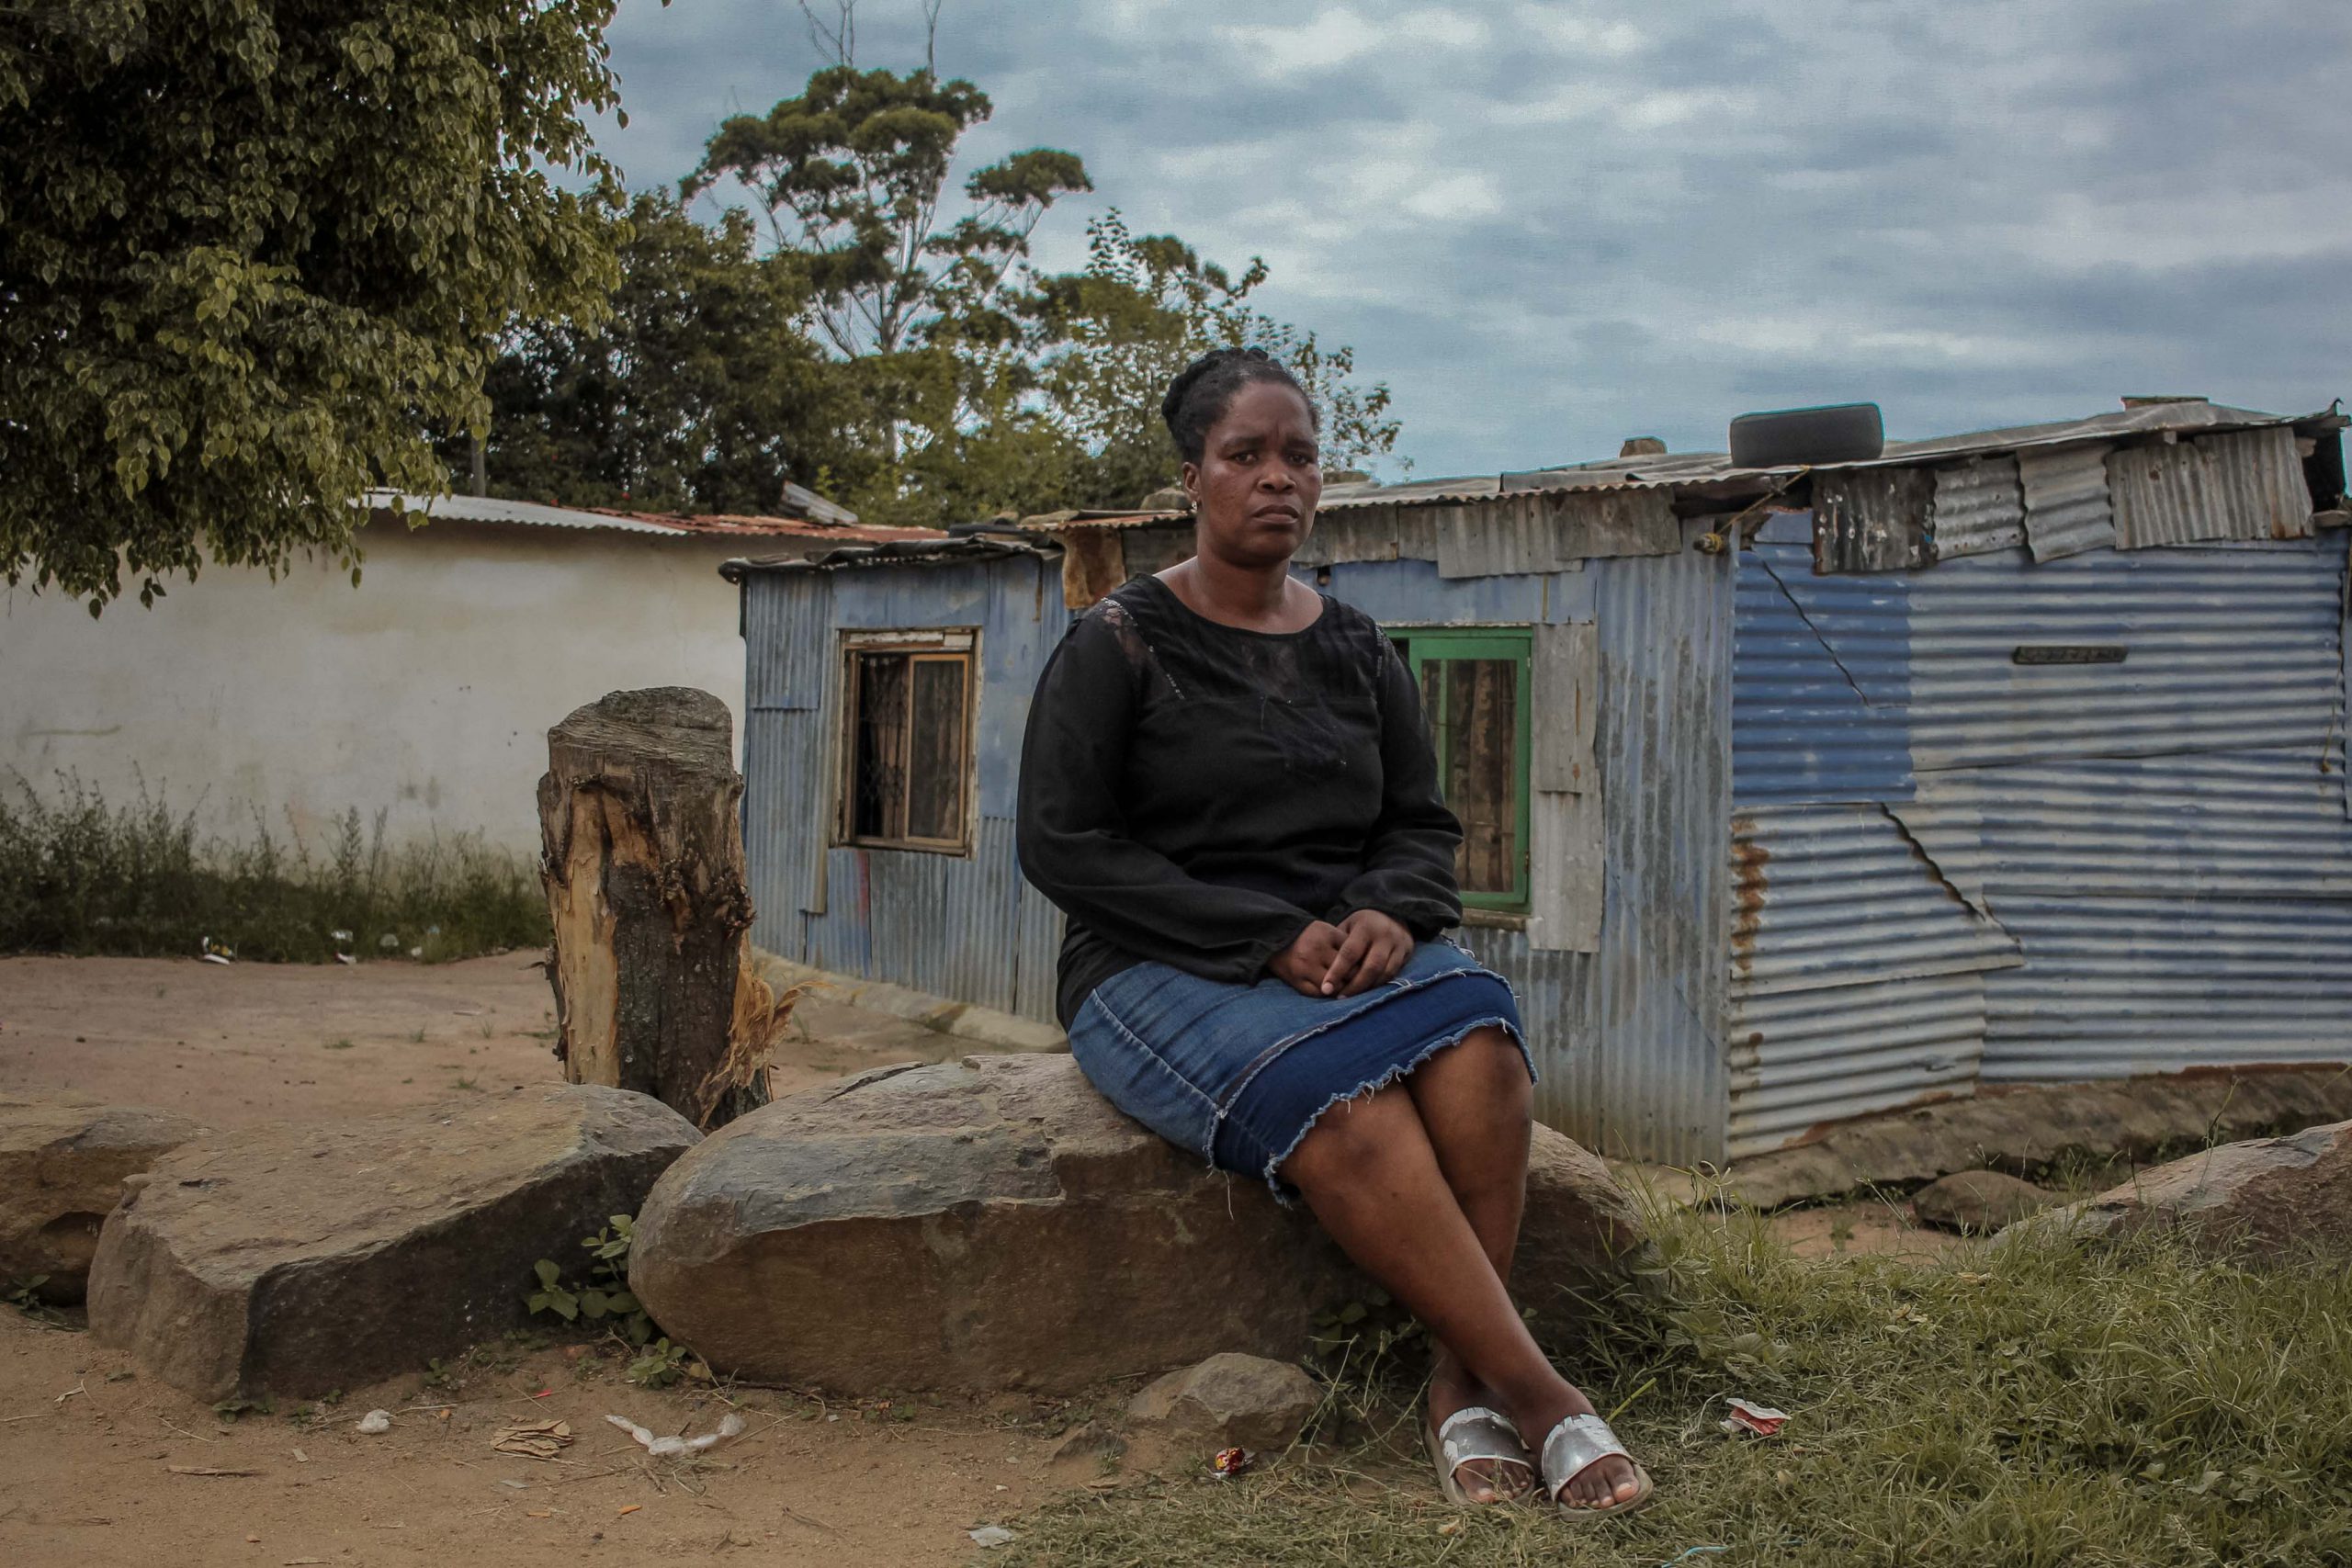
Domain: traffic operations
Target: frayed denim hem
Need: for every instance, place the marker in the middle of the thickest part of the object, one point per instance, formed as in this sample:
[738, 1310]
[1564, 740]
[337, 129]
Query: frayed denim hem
[1401, 1070]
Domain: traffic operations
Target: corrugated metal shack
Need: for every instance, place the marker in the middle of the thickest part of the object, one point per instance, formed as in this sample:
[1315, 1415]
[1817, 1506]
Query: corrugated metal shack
[2015, 756]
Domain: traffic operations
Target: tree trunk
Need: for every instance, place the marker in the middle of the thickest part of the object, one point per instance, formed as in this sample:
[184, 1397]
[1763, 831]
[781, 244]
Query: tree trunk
[644, 873]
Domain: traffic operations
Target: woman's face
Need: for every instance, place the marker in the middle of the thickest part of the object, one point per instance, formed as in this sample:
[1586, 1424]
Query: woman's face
[1257, 480]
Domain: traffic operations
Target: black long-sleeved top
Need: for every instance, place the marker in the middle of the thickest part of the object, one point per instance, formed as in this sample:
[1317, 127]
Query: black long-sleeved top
[1198, 793]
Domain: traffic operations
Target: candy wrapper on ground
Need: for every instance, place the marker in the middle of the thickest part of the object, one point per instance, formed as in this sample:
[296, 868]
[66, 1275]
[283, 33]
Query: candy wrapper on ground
[1230, 1462]
[1747, 1420]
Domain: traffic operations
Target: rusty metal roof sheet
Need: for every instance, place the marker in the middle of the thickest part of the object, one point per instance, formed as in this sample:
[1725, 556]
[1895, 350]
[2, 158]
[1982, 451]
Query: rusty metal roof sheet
[2245, 484]
[824, 521]
[928, 552]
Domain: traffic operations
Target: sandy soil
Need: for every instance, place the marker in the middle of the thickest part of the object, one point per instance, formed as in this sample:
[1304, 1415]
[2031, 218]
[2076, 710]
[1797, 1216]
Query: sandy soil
[232, 1045]
[89, 1453]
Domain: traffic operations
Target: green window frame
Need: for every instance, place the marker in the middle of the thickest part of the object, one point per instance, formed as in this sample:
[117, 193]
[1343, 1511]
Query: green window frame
[1478, 699]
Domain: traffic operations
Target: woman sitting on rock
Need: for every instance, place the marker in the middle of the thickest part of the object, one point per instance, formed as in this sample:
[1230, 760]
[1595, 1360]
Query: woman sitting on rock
[1227, 788]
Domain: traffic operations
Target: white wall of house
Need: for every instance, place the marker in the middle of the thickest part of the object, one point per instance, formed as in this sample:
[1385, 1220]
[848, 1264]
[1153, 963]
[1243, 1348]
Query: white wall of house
[427, 690]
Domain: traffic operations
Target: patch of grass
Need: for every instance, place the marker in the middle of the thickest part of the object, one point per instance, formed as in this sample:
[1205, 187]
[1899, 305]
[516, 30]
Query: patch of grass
[342, 1045]
[2034, 1404]
[83, 876]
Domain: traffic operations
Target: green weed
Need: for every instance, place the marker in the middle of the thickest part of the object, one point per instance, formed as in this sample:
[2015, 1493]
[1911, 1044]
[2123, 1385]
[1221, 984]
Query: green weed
[605, 1298]
[83, 876]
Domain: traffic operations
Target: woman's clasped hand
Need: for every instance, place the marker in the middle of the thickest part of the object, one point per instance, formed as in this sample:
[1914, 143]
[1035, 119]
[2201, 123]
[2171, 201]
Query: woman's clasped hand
[1363, 951]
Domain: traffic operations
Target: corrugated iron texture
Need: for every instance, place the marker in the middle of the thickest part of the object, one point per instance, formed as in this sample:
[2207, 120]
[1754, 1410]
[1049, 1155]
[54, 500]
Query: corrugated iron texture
[2230, 648]
[1800, 1059]
[1839, 896]
[1803, 729]
[2243, 824]
[954, 925]
[1410, 592]
[1873, 520]
[2244, 485]
[1978, 508]
[1664, 748]
[2067, 509]
[1542, 531]
[2117, 986]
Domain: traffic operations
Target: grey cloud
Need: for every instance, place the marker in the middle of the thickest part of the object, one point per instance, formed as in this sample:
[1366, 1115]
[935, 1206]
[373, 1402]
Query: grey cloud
[1662, 215]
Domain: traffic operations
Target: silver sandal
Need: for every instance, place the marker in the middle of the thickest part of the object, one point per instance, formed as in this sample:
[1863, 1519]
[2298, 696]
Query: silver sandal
[1575, 1446]
[1471, 1434]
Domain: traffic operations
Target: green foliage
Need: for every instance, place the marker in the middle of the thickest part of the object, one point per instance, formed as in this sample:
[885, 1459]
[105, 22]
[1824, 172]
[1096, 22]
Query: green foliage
[2137, 1406]
[1113, 337]
[250, 250]
[662, 1365]
[852, 175]
[699, 393]
[606, 1298]
[82, 876]
[25, 1295]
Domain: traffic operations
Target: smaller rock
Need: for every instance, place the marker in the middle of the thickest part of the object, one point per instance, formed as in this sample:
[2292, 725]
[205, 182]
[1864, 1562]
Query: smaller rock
[1092, 1439]
[63, 1164]
[1232, 1399]
[1978, 1202]
[376, 1423]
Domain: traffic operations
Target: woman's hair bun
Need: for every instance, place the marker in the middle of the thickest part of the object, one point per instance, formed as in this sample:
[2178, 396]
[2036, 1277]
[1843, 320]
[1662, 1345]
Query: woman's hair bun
[1198, 397]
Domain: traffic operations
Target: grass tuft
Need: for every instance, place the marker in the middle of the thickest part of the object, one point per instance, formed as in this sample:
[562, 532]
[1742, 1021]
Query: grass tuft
[82, 875]
[2031, 1403]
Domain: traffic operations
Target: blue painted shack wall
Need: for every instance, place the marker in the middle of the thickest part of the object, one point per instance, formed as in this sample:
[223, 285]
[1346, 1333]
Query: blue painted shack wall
[959, 926]
[2128, 868]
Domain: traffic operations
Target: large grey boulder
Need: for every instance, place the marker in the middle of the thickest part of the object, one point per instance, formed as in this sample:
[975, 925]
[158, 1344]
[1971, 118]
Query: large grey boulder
[62, 1167]
[296, 1259]
[993, 1223]
[2270, 1195]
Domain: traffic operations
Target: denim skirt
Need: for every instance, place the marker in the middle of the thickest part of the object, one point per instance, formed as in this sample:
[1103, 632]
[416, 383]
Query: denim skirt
[1239, 1073]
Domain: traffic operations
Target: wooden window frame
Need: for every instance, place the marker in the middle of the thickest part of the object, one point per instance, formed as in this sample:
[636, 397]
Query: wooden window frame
[1421, 646]
[957, 643]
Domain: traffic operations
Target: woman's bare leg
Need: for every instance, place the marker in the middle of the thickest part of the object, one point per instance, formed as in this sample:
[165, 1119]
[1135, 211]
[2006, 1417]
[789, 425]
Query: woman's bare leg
[1370, 1173]
[1477, 1104]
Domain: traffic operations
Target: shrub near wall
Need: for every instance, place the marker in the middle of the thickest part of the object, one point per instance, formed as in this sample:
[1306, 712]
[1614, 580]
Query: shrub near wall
[83, 876]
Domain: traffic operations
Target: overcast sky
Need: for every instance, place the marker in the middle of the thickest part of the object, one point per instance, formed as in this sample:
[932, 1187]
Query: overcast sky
[1550, 226]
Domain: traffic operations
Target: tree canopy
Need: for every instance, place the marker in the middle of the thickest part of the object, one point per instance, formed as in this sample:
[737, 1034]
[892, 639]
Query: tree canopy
[252, 250]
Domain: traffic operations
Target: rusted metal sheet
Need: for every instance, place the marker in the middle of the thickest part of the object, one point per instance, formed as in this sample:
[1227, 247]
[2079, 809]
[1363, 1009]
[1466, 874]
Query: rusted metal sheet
[1873, 520]
[2067, 509]
[1542, 531]
[1800, 1060]
[2241, 485]
[1832, 895]
[1094, 563]
[1978, 508]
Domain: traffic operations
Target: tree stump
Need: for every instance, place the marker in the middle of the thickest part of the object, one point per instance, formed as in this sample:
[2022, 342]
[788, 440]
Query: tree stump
[643, 863]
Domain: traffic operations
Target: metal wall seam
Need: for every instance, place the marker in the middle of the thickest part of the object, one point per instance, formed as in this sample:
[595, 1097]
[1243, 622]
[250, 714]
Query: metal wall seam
[2113, 987]
[1838, 895]
[2067, 509]
[1803, 1058]
[2244, 484]
[1978, 508]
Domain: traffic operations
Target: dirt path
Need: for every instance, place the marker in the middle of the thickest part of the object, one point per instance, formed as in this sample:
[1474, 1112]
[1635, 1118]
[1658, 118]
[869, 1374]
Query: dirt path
[89, 1453]
[235, 1044]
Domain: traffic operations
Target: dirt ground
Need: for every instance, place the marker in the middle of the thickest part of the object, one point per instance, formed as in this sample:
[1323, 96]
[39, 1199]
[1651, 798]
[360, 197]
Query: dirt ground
[233, 1044]
[100, 1466]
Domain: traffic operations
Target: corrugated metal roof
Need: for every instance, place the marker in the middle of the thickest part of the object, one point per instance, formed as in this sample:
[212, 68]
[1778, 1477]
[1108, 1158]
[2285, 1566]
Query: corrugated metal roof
[826, 521]
[2067, 505]
[2246, 485]
[930, 551]
[1978, 508]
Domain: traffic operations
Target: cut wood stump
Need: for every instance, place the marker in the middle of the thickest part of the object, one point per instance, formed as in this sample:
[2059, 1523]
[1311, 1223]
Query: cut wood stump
[643, 863]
